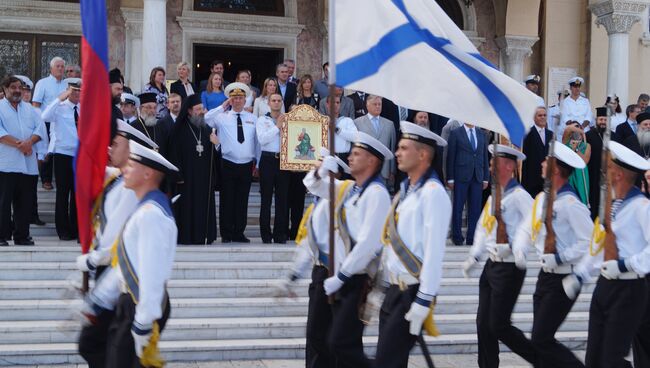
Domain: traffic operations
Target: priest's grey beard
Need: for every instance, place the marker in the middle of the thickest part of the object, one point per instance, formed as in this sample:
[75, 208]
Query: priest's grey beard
[644, 138]
[150, 120]
[197, 120]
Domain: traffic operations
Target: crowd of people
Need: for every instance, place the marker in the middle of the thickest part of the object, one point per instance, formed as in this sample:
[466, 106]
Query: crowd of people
[171, 150]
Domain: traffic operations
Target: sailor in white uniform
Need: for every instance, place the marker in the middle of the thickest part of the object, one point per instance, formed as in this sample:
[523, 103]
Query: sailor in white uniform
[619, 301]
[532, 84]
[360, 217]
[416, 233]
[313, 248]
[501, 280]
[572, 227]
[113, 208]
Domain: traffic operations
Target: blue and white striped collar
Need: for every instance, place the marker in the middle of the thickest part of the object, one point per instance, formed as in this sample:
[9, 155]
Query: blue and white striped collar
[430, 174]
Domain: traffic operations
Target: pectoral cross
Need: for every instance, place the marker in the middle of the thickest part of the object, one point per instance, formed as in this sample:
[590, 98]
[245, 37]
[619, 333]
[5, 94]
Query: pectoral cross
[199, 148]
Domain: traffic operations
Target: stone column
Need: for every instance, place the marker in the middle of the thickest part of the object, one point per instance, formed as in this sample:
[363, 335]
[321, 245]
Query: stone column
[514, 50]
[133, 49]
[154, 37]
[618, 16]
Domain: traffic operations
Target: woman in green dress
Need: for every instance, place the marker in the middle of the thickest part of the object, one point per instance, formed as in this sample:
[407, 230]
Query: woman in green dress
[574, 137]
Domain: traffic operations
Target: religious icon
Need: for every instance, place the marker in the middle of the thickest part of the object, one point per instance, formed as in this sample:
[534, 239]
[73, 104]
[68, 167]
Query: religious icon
[304, 133]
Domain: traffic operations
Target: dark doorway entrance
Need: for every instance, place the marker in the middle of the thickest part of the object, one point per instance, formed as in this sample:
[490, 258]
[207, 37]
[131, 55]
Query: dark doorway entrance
[260, 61]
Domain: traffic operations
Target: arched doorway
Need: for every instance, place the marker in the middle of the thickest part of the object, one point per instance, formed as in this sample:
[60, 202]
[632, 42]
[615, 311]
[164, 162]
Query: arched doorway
[454, 11]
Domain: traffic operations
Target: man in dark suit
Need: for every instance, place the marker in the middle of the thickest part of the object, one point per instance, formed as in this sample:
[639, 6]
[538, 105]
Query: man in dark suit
[467, 176]
[395, 113]
[359, 100]
[215, 67]
[535, 148]
[287, 89]
[595, 140]
[628, 128]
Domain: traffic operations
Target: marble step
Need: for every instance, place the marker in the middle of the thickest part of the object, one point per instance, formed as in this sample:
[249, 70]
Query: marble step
[250, 288]
[246, 349]
[59, 309]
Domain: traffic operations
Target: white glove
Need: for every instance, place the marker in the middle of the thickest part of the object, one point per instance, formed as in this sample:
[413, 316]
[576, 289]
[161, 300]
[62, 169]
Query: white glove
[571, 285]
[469, 263]
[501, 250]
[416, 315]
[374, 302]
[332, 284]
[101, 257]
[141, 341]
[610, 269]
[548, 261]
[284, 288]
[84, 263]
[328, 165]
[520, 260]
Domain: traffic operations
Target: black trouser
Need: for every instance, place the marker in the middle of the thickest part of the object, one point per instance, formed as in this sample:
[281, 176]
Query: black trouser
[319, 322]
[395, 340]
[617, 308]
[65, 209]
[499, 288]
[17, 189]
[92, 340]
[297, 192]
[233, 198]
[550, 308]
[120, 346]
[273, 181]
[34, 215]
[641, 342]
[45, 168]
[345, 340]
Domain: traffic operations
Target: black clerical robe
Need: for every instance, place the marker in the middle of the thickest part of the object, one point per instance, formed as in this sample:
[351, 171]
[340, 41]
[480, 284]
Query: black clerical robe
[195, 210]
[159, 133]
[595, 140]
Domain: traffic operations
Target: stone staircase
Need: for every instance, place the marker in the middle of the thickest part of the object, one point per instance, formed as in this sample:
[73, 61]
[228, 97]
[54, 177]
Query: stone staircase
[223, 307]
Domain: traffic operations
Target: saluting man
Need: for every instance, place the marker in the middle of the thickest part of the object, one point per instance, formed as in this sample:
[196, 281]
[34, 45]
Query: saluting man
[619, 301]
[116, 205]
[501, 280]
[313, 247]
[360, 217]
[416, 227]
[572, 227]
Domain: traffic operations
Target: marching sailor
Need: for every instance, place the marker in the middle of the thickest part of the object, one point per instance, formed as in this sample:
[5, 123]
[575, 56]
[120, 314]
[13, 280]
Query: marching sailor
[416, 230]
[572, 228]
[113, 208]
[618, 303]
[501, 280]
[313, 247]
[360, 217]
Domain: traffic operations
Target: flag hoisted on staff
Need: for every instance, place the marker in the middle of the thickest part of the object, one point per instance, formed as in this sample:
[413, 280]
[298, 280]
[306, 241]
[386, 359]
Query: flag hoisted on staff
[94, 120]
[412, 53]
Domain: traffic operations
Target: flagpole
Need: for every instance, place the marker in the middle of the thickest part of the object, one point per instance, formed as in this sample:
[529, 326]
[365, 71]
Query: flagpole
[332, 132]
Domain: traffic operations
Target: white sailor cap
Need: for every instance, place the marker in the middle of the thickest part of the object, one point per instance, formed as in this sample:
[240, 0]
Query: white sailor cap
[324, 152]
[370, 144]
[567, 157]
[127, 131]
[73, 82]
[26, 81]
[129, 98]
[628, 159]
[237, 89]
[576, 80]
[419, 134]
[150, 158]
[533, 78]
[507, 152]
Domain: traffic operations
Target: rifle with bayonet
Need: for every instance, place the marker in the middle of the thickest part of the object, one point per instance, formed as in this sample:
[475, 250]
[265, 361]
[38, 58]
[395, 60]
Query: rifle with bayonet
[497, 193]
[549, 198]
[605, 209]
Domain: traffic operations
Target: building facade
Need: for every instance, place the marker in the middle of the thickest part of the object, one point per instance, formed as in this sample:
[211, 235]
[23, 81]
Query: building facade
[607, 42]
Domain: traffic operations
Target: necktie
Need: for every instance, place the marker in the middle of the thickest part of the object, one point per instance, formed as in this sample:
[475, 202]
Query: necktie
[240, 130]
[76, 116]
[375, 124]
[403, 113]
[541, 135]
[472, 140]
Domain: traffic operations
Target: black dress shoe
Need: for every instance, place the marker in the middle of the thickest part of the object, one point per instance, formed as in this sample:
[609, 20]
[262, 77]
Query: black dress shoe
[24, 242]
[458, 242]
[226, 240]
[266, 241]
[241, 239]
[280, 241]
[38, 221]
[66, 238]
[3, 243]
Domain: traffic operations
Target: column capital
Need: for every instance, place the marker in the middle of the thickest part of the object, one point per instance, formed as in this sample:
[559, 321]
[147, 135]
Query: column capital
[617, 16]
[516, 47]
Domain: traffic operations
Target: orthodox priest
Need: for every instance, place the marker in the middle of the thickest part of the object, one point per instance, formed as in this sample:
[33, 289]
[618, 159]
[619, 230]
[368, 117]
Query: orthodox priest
[149, 125]
[192, 150]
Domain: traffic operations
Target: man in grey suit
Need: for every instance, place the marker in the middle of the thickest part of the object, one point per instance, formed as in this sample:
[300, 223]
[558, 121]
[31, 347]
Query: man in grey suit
[382, 129]
[347, 106]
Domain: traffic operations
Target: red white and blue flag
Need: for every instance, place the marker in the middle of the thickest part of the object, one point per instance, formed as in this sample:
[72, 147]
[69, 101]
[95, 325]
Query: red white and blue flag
[94, 120]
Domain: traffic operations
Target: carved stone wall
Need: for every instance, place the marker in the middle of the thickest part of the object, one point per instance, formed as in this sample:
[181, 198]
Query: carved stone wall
[310, 40]
[116, 36]
[174, 37]
[486, 29]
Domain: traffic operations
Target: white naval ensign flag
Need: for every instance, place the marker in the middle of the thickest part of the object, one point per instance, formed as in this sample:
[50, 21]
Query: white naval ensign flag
[412, 53]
